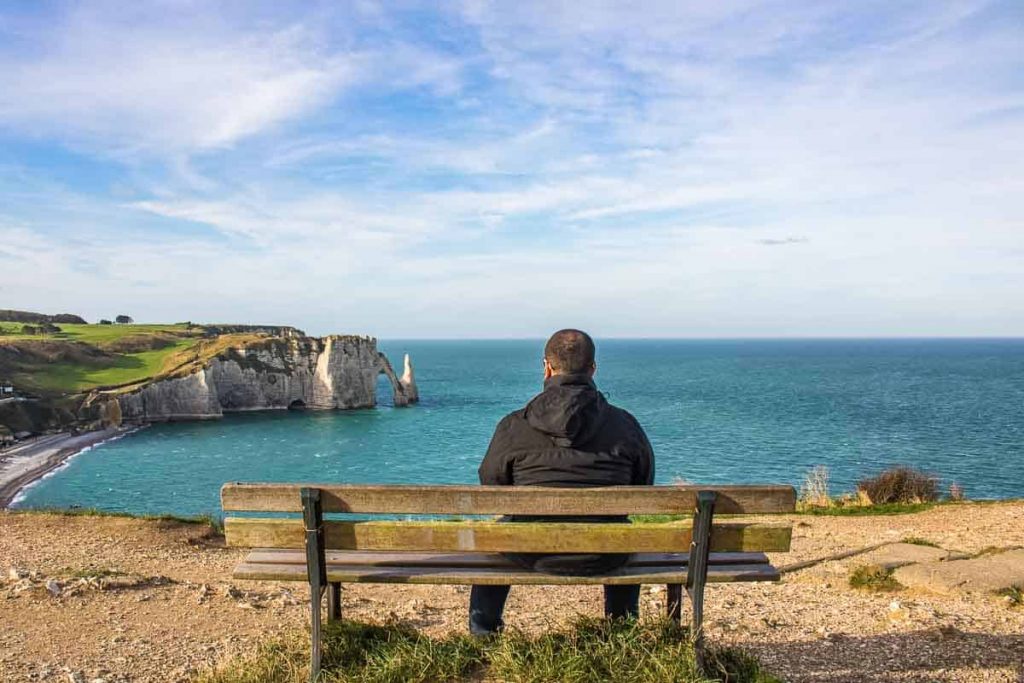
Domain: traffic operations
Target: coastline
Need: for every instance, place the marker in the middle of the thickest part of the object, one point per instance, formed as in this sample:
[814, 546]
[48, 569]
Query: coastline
[25, 464]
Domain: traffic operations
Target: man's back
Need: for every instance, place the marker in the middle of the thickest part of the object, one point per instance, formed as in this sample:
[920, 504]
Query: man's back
[570, 436]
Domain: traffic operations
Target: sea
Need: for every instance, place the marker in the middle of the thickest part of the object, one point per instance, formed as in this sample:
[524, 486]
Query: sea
[723, 411]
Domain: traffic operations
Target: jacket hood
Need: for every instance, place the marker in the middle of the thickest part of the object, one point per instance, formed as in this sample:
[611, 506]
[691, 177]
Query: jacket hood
[569, 410]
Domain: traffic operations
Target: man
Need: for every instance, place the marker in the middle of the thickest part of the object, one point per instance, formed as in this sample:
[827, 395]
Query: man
[570, 436]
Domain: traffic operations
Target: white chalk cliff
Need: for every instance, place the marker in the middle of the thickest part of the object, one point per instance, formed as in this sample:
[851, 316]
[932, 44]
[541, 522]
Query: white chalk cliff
[329, 373]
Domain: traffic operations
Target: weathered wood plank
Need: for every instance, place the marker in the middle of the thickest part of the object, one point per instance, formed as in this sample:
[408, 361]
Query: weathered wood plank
[493, 560]
[526, 500]
[482, 576]
[539, 537]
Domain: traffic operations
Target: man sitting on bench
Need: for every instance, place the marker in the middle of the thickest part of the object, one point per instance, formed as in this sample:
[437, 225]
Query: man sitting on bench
[567, 436]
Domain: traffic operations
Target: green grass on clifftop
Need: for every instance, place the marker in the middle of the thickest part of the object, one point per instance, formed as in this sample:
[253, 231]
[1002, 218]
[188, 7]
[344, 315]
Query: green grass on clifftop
[125, 368]
[91, 334]
[82, 357]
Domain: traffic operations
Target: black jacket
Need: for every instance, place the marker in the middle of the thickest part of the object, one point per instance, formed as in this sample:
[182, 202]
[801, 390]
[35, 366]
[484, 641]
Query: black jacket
[569, 436]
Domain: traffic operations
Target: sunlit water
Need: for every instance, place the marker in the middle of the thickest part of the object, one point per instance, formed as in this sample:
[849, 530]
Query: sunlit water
[716, 411]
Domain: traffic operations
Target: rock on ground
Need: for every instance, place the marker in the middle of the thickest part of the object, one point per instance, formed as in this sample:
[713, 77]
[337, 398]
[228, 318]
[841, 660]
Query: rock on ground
[987, 573]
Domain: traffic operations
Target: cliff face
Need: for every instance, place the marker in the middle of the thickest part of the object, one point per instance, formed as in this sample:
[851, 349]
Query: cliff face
[335, 372]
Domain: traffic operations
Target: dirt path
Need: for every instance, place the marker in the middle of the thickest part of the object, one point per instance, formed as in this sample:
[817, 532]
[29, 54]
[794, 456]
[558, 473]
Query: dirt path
[173, 609]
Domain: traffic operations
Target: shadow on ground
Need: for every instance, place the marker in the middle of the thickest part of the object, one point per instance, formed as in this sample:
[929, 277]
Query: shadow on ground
[937, 654]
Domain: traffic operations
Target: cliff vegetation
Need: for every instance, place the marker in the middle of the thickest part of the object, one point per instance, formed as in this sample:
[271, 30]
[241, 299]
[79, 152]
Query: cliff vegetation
[81, 357]
[55, 376]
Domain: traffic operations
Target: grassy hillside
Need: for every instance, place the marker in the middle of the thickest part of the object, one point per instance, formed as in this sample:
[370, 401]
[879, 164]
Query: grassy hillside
[82, 357]
[92, 334]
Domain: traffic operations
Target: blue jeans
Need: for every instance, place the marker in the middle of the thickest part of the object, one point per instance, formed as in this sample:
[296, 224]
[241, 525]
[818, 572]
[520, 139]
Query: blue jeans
[487, 603]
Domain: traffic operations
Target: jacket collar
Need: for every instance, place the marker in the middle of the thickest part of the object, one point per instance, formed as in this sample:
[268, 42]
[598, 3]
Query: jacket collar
[567, 379]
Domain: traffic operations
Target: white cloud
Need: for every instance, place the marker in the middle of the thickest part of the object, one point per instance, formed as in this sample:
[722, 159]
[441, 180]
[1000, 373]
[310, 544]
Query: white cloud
[110, 81]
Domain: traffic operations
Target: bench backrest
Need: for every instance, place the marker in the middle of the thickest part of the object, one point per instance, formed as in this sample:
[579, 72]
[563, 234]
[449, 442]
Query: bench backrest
[491, 536]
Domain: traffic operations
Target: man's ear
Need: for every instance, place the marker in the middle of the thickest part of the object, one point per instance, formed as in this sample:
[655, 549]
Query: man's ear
[548, 372]
[593, 370]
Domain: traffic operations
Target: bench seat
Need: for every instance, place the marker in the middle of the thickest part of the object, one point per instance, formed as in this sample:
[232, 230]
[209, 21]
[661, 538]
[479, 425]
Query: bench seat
[271, 564]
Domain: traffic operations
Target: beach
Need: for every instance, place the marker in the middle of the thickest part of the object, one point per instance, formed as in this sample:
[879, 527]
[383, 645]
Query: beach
[30, 460]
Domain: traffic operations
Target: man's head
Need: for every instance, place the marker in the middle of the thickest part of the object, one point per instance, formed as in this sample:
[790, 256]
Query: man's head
[569, 352]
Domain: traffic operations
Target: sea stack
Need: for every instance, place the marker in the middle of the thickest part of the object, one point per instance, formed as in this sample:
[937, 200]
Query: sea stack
[408, 382]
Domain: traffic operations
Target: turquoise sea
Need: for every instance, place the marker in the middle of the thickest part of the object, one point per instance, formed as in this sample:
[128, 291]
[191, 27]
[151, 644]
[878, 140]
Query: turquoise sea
[716, 411]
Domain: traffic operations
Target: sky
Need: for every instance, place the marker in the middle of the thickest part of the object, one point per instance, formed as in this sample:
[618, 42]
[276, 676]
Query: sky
[505, 169]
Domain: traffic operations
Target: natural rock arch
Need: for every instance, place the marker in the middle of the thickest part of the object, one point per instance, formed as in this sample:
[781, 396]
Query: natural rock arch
[403, 389]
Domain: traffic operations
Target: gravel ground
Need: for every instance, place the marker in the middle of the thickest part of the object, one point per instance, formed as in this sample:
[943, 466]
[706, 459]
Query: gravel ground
[110, 599]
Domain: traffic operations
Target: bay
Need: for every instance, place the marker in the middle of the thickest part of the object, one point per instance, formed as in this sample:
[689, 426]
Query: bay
[716, 411]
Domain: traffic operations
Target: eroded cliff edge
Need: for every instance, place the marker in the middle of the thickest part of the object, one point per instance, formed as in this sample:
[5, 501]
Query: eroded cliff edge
[337, 372]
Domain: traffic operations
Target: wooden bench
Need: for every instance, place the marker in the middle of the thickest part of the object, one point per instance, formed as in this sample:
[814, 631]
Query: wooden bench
[328, 553]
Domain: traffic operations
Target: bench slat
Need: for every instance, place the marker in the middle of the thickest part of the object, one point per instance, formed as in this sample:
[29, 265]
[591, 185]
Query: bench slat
[493, 560]
[500, 576]
[492, 500]
[538, 537]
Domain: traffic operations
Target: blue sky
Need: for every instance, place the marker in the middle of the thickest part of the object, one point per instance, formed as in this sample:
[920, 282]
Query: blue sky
[706, 169]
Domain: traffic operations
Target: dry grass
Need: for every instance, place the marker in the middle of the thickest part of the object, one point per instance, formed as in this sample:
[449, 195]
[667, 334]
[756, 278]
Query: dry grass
[873, 577]
[814, 491]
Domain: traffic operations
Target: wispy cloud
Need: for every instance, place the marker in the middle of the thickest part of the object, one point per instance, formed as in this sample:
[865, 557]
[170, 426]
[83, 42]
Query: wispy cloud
[401, 169]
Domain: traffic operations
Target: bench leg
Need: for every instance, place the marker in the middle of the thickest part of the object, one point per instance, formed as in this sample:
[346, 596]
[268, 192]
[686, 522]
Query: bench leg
[697, 574]
[674, 601]
[333, 602]
[316, 594]
[316, 570]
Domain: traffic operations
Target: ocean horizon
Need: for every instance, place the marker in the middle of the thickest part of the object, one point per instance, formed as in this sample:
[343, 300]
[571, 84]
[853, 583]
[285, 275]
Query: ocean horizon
[725, 410]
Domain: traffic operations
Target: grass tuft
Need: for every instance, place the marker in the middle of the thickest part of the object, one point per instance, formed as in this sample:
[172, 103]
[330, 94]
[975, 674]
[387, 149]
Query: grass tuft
[868, 510]
[1014, 595]
[215, 522]
[91, 573]
[587, 650]
[917, 540]
[996, 550]
[873, 577]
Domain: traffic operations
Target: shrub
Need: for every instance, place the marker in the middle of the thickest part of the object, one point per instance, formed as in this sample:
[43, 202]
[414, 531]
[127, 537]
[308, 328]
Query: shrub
[900, 485]
[956, 492]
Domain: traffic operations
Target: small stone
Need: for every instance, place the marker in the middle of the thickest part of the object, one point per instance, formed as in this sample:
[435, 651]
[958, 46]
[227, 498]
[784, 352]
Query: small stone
[53, 587]
[895, 606]
[15, 574]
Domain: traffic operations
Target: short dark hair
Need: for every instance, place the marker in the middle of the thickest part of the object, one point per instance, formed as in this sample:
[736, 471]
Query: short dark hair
[570, 352]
